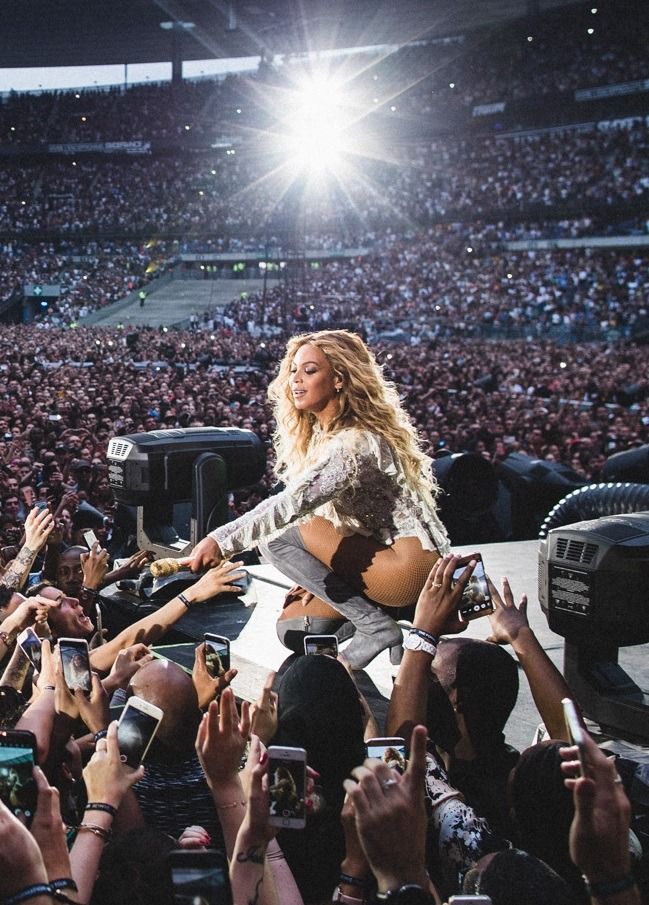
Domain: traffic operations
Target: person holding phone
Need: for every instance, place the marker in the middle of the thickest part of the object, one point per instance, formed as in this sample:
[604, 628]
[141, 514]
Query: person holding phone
[356, 524]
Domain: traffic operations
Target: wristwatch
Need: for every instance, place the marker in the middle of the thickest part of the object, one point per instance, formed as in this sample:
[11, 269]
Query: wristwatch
[410, 894]
[415, 641]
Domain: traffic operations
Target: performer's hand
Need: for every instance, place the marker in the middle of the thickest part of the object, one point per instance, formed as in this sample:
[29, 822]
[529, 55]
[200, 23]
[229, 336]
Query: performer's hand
[205, 555]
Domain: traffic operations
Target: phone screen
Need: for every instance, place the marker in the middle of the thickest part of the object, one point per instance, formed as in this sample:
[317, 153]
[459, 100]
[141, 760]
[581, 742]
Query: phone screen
[287, 788]
[217, 655]
[391, 751]
[325, 645]
[200, 878]
[30, 644]
[17, 786]
[476, 598]
[135, 731]
[76, 663]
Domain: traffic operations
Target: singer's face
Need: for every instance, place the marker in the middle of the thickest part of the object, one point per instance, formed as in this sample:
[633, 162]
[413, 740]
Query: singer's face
[313, 383]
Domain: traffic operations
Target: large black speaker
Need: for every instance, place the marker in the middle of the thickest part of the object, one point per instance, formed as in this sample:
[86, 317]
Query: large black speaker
[631, 465]
[536, 485]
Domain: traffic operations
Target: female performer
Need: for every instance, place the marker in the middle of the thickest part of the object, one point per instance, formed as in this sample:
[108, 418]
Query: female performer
[356, 523]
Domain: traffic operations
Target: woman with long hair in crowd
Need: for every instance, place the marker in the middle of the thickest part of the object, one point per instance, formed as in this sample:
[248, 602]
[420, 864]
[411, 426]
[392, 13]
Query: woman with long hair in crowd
[356, 524]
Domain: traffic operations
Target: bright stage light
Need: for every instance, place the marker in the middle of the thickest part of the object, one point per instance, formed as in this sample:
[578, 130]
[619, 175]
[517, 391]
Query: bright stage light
[314, 135]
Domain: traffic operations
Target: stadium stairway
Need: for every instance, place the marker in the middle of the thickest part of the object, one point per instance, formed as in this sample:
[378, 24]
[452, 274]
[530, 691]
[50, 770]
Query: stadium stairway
[170, 302]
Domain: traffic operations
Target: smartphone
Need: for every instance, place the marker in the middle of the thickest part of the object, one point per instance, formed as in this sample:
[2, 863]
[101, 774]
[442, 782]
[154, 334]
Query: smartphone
[326, 645]
[30, 644]
[476, 597]
[217, 654]
[199, 877]
[76, 663]
[90, 538]
[391, 750]
[287, 787]
[575, 731]
[18, 789]
[136, 728]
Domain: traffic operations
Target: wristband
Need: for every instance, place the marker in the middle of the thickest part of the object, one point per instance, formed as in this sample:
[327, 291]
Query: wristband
[48, 688]
[88, 590]
[427, 636]
[184, 600]
[101, 806]
[602, 889]
[29, 892]
[348, 880]
[99, 735]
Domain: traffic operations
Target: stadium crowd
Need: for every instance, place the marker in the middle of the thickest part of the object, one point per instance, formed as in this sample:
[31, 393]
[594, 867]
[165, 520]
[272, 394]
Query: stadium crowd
[240, 194]
[64, 393]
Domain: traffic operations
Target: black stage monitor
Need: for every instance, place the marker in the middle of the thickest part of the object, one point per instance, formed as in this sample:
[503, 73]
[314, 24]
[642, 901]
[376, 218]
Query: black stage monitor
[594, 591]
[178, 480]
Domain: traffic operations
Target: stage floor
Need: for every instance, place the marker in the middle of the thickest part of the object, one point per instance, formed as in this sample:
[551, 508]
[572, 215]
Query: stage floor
[256, 649]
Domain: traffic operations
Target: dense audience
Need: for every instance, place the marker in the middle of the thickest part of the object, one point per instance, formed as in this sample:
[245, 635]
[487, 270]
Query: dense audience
[242, 194]
[64, 393]
[465, 327]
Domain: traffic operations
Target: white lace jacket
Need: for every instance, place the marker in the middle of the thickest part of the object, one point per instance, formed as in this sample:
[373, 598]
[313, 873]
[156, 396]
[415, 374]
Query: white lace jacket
[354, 482]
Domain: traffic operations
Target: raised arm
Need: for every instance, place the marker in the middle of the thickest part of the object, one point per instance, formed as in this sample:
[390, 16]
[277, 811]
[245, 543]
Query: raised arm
[510, 625]
[436, 614]
[38, 526]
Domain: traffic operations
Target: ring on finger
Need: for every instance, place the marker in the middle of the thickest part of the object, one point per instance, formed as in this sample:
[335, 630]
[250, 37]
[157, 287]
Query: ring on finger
[437, 584]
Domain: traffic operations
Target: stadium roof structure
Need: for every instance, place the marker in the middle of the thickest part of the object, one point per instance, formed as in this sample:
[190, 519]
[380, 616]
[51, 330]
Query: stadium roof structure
[38, 33]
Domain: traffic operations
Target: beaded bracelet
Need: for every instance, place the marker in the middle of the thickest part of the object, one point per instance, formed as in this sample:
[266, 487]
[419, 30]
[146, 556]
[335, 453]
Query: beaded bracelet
[184, 600]
[6, 640]
[29, 892]
[233, 804]
[102, 806]
[64, 883]
[101, 734]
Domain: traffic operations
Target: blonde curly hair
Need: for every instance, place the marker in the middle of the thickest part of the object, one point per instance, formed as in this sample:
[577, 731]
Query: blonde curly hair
[366, 400]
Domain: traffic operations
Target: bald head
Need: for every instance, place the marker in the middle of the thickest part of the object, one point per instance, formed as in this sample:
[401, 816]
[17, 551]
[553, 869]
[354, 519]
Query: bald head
[169, 687]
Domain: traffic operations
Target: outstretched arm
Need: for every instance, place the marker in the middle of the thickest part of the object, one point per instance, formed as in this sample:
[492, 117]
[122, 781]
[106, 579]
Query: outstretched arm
[153, 626]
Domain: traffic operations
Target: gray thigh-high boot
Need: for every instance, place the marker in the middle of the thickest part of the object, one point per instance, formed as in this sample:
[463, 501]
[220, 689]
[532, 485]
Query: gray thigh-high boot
[375, 630]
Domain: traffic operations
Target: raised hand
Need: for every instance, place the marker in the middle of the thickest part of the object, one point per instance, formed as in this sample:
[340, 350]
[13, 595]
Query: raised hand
[439, 602]
[263, 713]
[208, 687]
[222, 738]
[507, 619]
[38, 527]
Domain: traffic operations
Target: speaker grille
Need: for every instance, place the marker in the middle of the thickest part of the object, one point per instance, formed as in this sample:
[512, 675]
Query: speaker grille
[575, 551]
